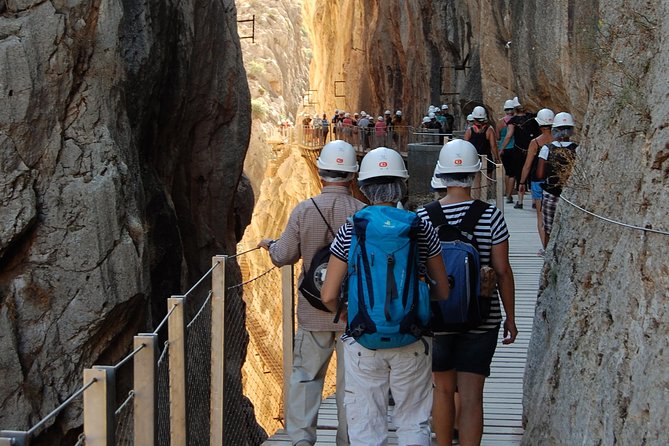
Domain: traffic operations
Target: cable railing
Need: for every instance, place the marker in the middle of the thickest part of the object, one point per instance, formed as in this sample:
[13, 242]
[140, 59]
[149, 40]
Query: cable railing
[177, 391]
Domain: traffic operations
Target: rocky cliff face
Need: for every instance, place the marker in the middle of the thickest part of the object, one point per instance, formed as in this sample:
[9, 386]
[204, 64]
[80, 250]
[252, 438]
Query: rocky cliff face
[123, 130]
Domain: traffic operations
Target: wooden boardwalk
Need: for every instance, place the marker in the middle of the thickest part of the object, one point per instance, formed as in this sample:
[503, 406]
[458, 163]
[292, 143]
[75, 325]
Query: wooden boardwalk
[503, 393]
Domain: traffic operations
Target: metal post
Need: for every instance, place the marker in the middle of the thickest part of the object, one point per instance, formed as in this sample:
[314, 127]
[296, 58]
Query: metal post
[499, 198]
[484, 178]
[288, 313]
[99, 406]
[176, 333]
[14, 438]
[217, 351]
[144, 379]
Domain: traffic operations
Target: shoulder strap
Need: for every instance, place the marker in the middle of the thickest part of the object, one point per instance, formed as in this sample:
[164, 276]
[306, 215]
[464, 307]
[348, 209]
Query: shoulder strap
[435, 213]
[472, 216]
[326, 222]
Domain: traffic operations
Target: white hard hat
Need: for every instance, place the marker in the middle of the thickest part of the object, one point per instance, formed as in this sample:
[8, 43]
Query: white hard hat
[431, 109]
[363, 113]
[444, 107]
[347, 115]
[387, 112]
[479, 113]
[436, 182]
[382, 162]
[426, 120]
[563, 119]
[515, 102]
[339, 156]
[545, 117]
[508, 104]
[380, 118]
[470, 117]
[398, 112]
[431, 115]
[458, 156]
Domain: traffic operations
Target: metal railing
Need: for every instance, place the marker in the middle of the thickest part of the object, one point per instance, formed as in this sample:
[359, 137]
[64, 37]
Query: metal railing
[171, 401]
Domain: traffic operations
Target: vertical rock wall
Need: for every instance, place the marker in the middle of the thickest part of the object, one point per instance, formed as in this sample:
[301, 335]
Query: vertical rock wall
[598, 359]
[123, 129]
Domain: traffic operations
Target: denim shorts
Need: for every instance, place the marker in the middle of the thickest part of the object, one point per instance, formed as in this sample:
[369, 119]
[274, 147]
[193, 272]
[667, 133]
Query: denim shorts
[464, 352]
[536, 190]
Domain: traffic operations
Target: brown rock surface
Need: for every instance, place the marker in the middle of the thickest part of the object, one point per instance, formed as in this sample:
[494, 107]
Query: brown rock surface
[123, 130]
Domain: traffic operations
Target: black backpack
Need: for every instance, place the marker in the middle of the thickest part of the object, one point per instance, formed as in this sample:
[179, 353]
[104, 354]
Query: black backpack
[465, 308]
[313, 279]
[526, 129]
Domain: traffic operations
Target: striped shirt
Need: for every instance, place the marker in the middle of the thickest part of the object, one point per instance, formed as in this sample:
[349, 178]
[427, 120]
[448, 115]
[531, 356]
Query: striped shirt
[490, 230]
[304, 235]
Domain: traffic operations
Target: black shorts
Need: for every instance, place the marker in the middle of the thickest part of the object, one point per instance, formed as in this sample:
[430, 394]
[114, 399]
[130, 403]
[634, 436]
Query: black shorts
[518, 162]
[507, 161]
[464, 352]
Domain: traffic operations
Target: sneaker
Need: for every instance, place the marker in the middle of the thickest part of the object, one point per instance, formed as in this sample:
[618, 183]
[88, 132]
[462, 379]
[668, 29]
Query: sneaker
[509, 199]
[518, 206]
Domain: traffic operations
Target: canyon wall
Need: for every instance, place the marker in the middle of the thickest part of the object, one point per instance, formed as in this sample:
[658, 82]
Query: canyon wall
[123, 130]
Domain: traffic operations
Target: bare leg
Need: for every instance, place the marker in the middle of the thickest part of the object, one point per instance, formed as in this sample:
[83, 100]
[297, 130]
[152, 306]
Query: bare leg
[470, 388]
[443, 407]
[510, 183]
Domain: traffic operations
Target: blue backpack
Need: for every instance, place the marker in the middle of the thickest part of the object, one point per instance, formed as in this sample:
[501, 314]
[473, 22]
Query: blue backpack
[388, 303]
[465, 308]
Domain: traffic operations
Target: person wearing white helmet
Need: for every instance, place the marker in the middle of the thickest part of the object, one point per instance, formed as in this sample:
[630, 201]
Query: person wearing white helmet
[311, 226]
[470, 122]
[544, 118]
[461, 360]
[482, 136]
[523, 129]
[506, 152]
[398, 131]
[380, 131]
[555, 165]
[448, 125]
[405, 369]
[364, 124]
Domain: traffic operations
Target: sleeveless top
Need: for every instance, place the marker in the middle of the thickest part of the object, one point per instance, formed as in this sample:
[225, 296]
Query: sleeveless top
[480, 141]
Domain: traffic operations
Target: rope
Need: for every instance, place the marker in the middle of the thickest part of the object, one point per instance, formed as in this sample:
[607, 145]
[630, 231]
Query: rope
[204, 276]
[251, 280]
[200, 310]
[131, 395]
[162, 355]
[57, 410]
[164, 320]
[640, 228]
[491, 179]
[130, 355]
[243, 252]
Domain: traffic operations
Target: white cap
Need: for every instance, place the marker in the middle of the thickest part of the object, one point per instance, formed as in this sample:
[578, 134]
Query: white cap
[380, 118]
[398, 112]
[426, 120]
[515, 102]
[444, 107]
[387, 112]
[431, 115]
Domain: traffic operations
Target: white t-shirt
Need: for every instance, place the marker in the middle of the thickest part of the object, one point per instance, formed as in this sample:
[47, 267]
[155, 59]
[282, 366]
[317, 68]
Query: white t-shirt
[543, 153]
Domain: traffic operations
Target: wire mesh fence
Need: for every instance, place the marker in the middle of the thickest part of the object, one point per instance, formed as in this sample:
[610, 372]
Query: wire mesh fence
[198, 363]
[163, 398]
[124, 422]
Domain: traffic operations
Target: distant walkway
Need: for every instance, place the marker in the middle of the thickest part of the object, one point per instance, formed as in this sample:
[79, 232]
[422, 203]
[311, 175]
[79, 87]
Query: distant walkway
[503, 394]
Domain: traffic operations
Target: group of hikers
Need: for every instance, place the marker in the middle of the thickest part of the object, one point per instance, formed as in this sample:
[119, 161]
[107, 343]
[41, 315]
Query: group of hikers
[411, 301]
[364, 131]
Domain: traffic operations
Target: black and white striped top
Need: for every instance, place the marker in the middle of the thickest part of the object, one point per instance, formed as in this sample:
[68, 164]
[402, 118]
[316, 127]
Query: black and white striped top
[490, 230]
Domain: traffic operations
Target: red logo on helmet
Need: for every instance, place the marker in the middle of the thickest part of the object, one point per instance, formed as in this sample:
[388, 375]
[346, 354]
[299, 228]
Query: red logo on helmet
[340, 160]
[383, 164]
[458, 162]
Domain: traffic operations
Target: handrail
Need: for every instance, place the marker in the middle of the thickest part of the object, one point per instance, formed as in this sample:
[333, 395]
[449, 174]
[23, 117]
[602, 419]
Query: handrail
[57, 410]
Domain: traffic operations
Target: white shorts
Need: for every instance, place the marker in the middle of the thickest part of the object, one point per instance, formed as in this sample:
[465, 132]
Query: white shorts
[407, 372]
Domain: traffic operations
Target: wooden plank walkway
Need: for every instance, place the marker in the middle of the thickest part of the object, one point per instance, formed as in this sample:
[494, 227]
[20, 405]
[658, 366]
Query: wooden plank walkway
[503, 393]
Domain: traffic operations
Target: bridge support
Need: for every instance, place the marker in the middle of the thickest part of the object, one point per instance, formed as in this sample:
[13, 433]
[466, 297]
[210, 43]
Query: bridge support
[176, 333]
[99, 406]
[144, 379]
[288, 314]
[216, 422]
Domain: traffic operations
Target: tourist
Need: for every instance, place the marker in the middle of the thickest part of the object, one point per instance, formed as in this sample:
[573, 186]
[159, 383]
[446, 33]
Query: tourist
[317, 335]
[405, 369]
[506, 152]
[482, 137]
[461, 360]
